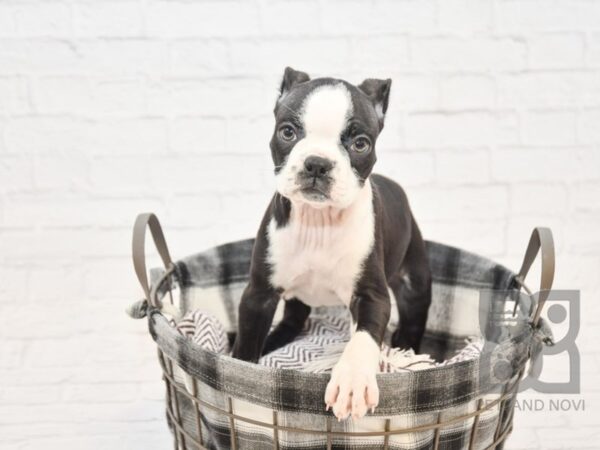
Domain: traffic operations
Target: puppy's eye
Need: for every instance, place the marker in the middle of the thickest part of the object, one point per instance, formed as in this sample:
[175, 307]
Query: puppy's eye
[287, 133]
[361, 144]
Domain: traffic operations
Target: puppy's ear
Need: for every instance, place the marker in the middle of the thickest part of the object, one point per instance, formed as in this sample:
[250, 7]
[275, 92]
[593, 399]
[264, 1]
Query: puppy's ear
[379, 93]
[291, 78]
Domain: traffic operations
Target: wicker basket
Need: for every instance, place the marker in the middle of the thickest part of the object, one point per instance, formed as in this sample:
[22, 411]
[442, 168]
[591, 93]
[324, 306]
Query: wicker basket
[231, 404]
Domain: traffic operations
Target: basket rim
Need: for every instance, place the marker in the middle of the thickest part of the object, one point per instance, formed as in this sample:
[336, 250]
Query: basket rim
[224, 373]
[197, 361]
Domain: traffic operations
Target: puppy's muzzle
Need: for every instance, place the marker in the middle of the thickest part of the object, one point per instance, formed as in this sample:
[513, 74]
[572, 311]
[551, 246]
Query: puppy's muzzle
[314, 180]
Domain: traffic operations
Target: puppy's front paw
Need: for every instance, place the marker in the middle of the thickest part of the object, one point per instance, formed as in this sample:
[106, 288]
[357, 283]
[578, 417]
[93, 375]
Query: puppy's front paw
[352, 390]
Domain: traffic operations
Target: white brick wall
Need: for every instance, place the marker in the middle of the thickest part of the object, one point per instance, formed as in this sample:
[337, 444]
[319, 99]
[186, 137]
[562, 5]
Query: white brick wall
[109, 108]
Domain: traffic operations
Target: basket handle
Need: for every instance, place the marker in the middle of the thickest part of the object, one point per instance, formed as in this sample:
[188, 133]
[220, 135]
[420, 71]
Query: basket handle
[541, 239]
[143, 221]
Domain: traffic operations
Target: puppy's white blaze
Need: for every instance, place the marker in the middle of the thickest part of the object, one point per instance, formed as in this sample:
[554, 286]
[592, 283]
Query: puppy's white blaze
[326, 111]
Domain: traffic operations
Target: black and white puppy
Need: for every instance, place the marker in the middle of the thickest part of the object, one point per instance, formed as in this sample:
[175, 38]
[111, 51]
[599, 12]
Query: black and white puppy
[335, 234]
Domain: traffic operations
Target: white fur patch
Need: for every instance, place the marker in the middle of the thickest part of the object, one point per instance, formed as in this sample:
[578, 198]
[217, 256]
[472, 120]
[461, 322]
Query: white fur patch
[317, 257]
[324, 116]
[353, 388]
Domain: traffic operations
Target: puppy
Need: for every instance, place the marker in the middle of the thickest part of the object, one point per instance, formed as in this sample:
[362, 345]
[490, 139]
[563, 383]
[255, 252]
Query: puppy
[334, 234]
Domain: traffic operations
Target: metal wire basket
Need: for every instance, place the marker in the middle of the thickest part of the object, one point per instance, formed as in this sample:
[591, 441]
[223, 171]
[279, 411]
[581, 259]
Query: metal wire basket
[216, 402]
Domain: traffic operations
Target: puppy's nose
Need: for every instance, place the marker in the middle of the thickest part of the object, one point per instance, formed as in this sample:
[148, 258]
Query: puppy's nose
[315, 166]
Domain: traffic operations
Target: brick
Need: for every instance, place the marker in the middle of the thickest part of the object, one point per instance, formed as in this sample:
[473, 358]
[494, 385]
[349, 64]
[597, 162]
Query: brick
[64, 245]
[586, 196]
[57, 283]
[108, 136]
[379, 55]
[318, 57]
[101, 442]
[8, 21]
[217, 173]
[58, 211]
[548, 89]
[183, 19]
[523, 438]
[582, 237]
[549, 128]
[549, 165]
[289, 18]
[108, 19]
[352, 19]
[475, 203]
[588, 129]
[250, 135]
[406, 168]
[14, 284]
[20, 56]
[15, 173]
[30, 134]
[244, 207]
[83, 95]
[538, 199]
[119, 96]
[485, 237]
[532, 16]
[190, 210]
[469, 54]
[14, 95]
[465, 16]
[556, 51]
[199, 57]
[462, 167]
[593, 49]
[111, 393]
[68, 171]
[208, 97]
[468, 92]
[62, 94]
[197, 135]
[118, 57]
[46, 19]
[44, 353]
[587, 161]
[417, 92]
[460, 129]
[31, 395]
[121, 57]
[580, 437]
[121, 174]
[12, 353]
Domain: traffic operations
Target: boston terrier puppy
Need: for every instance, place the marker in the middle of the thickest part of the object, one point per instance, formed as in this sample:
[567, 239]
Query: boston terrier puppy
[335, 234]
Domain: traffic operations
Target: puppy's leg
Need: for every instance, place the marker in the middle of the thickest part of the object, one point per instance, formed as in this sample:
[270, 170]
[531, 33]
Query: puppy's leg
[256, 312]
[412, 289]
[353, 385]
[295, 314]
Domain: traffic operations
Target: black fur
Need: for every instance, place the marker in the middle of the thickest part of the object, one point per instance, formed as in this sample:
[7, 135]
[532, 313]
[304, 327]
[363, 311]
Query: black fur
[398, 258]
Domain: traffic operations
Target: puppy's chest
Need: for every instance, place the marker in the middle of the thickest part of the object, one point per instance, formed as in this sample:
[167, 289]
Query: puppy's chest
[319, 260]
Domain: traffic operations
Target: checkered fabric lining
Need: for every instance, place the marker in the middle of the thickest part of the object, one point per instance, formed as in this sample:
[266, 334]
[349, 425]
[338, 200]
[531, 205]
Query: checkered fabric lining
[213, 281]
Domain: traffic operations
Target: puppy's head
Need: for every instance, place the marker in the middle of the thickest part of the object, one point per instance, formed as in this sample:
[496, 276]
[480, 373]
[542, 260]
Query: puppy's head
[323, 146]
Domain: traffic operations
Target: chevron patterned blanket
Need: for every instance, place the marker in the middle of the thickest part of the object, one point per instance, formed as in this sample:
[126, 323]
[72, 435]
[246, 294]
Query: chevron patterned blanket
[319, 345]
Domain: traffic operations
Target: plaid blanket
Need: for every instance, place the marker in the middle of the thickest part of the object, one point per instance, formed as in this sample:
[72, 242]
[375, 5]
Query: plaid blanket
[469, 294]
